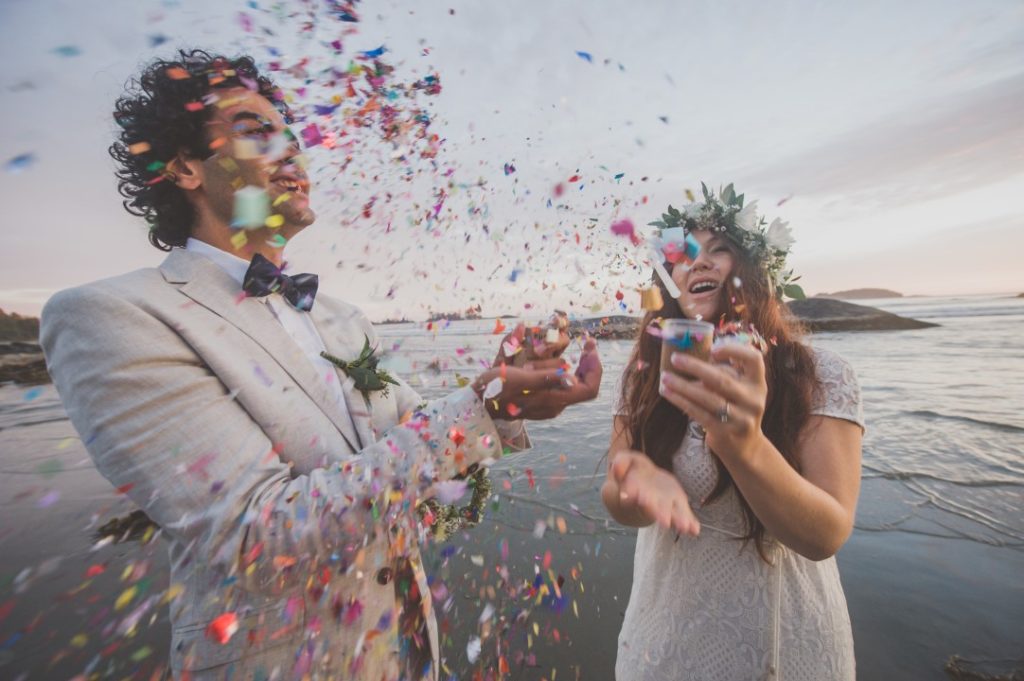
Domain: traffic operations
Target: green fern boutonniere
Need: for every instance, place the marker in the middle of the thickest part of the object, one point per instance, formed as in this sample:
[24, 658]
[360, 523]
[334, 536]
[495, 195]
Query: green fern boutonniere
[363, 371]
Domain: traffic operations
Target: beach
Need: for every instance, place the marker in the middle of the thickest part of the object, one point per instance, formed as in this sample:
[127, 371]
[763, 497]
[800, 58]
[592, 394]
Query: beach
[932, 569]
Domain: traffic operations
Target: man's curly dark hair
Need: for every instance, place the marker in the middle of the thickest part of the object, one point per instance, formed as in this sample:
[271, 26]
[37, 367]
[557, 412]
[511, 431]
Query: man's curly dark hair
[163, 108]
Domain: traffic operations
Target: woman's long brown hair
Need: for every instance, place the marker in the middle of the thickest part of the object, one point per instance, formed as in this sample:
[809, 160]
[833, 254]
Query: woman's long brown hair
[656, 428]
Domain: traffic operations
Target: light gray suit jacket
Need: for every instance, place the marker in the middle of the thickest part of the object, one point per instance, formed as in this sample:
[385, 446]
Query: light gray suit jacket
[279, 506]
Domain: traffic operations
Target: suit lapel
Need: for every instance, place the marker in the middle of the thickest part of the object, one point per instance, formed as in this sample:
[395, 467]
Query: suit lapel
[341, 341]
[205, 283]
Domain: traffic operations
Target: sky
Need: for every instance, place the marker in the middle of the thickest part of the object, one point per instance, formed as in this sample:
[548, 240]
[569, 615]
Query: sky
[889, 135]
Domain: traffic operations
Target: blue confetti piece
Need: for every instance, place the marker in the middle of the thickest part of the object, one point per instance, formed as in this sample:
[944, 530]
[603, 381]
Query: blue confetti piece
[157, 39]
[515, 275]
[373, 54]
[585, 56]
[10, 641]
[619, 176]
[325, 110]
[33, 394]
[692, 247]
[20, 163]
[67, 51]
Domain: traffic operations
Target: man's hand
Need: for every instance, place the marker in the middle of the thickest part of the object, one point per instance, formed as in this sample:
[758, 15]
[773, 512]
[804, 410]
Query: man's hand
[541, 388]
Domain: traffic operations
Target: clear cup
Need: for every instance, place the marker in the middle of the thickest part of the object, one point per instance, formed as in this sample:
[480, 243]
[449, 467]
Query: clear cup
[688, 336]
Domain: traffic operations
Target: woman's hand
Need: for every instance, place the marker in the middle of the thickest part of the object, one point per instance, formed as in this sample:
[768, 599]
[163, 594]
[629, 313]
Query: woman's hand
[727, 399]
[640, 486]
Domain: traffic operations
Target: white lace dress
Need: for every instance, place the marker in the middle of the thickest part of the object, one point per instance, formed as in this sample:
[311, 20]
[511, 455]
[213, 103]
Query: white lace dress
[702, 609]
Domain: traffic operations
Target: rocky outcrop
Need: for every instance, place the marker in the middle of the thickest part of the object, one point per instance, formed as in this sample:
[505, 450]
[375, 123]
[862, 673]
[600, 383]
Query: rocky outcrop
[826, 314]
[22, 362]
[816, 314]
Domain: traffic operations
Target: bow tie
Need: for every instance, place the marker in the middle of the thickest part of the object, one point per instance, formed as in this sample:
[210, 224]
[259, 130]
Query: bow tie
[264, 277]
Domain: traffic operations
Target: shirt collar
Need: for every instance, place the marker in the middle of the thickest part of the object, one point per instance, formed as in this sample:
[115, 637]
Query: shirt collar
[234, 266]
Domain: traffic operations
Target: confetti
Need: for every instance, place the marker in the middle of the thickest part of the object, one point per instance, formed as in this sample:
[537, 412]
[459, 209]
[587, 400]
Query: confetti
[20, 163]
[222, 628]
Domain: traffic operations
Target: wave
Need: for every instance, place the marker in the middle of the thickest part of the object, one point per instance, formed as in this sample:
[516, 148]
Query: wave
[916, 475]
[934, 415]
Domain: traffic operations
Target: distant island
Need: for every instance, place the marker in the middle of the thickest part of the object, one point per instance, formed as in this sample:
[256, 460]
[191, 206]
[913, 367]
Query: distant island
[470, 313]
[856, 293]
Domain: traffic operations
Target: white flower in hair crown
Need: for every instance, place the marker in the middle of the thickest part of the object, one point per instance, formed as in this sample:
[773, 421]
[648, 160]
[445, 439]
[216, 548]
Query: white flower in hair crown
[725, 214]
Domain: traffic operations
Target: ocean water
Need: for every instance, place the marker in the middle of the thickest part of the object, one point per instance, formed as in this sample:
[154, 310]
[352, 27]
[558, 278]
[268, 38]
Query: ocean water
[933, 569]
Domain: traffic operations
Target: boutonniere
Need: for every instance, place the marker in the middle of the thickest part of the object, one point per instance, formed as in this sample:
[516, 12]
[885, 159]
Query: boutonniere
[363, 371]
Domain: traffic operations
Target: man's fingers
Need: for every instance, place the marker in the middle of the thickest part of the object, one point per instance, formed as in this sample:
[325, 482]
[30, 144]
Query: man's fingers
[515, 335]
[527, 379]
[544, 364]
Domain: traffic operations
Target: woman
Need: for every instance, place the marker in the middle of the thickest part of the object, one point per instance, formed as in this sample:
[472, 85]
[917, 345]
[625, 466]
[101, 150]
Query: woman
[743, 482]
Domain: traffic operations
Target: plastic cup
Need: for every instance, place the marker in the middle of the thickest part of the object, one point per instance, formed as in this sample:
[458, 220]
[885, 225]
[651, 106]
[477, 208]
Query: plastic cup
[688, 336]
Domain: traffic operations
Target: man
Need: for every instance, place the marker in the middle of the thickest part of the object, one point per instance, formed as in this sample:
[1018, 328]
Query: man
[287, 485]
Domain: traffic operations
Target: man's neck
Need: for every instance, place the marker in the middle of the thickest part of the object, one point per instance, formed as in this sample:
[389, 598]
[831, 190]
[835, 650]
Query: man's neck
[219, 235]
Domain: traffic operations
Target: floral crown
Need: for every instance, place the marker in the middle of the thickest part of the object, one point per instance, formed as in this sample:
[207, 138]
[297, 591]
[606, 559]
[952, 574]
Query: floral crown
[725, 214]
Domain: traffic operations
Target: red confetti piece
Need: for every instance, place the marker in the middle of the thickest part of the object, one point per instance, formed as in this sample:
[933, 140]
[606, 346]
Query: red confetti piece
[222, 628]
[125, 488]
[513, 410]
[498, 326]
[193, 106]
[94, 570]
[457, 436]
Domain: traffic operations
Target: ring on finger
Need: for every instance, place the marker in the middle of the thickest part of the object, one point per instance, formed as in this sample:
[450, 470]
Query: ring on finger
[723, 413]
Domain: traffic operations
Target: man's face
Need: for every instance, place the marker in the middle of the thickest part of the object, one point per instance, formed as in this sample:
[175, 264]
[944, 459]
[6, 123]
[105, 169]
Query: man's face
[253, 147]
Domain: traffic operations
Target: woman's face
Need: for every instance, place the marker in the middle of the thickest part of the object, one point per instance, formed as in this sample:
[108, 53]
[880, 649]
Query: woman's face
[702, 285]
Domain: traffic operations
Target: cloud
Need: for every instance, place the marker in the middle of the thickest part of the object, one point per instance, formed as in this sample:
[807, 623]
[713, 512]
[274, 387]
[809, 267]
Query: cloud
[965, 140]
[982, 257]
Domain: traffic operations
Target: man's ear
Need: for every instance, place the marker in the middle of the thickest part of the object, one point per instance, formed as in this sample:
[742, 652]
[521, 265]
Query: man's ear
[186, 173]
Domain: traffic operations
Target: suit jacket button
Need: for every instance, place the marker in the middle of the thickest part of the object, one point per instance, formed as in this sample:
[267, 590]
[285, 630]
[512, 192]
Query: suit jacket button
[384, 576]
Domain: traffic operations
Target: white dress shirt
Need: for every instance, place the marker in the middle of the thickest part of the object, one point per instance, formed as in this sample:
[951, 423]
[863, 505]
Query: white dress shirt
[297, 324]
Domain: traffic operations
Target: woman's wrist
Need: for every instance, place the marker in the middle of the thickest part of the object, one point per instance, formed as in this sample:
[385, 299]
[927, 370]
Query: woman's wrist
[749, 454]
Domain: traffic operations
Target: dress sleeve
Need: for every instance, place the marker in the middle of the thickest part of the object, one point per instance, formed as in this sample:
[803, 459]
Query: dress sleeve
[838, 393]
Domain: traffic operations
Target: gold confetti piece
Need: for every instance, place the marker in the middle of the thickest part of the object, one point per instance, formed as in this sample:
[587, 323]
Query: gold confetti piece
[228, 164]
[650, 299]
[238, 239]
[560, 524]
[274, 221]
[173, 591]
[79, 640]
[281, 199]
[138, 148]
[125, 598]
